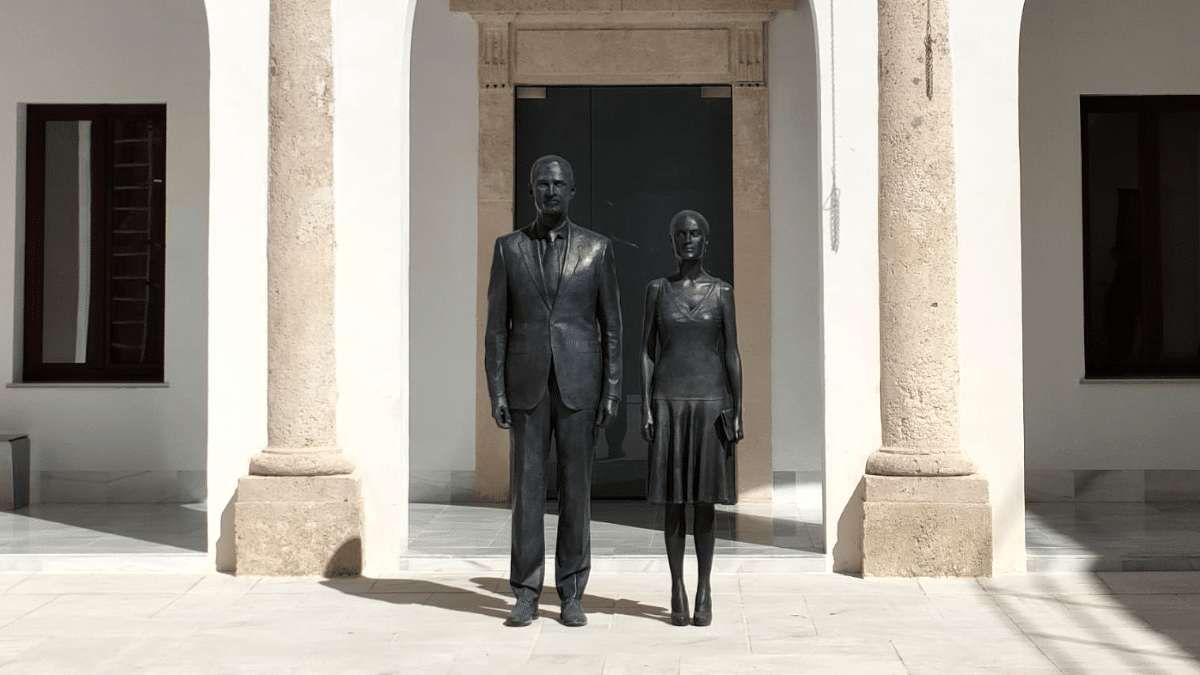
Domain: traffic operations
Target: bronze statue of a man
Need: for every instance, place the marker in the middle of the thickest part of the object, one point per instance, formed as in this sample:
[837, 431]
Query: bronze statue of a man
[552, 354]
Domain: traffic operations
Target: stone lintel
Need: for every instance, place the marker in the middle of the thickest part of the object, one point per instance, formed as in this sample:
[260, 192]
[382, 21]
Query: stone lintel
[938, 490]
[575, 6]
[299, 526]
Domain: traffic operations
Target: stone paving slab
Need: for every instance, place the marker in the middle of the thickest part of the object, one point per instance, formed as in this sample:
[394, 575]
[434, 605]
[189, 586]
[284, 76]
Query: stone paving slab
[448, 623]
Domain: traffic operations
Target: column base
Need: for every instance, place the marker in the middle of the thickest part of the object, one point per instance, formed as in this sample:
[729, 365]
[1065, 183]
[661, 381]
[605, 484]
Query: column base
[892, 461]
[299, 526]
[927, 527]
[324, 461]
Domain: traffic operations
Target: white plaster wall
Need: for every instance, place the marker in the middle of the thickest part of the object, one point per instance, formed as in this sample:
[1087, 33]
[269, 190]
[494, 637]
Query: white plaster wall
[796, 418]
[237, 277]
[1068, 48]
[116, 51]
[984, 45]
[445, 141]
[371, 160]
[848, 55]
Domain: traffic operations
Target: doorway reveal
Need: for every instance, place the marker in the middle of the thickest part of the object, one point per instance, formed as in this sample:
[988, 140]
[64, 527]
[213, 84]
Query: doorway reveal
[646, 43]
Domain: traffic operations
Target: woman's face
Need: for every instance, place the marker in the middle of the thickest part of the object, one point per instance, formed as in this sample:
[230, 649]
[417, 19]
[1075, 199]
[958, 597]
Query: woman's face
[689, 239]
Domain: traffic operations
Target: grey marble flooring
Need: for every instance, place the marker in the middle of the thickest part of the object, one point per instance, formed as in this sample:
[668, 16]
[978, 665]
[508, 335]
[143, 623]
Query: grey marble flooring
[784, 537]
[626, 537]
[87, 537]
[1064, 537]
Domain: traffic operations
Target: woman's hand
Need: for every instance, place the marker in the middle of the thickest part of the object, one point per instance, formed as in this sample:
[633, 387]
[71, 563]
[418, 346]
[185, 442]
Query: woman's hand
[647, 425]
[738, 434]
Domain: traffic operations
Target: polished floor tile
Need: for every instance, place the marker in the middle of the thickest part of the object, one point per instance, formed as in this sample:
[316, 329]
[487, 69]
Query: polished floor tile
[1112, 537]
[626, 536]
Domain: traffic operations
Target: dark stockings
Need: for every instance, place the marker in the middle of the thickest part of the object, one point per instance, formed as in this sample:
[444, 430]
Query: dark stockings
[675, 533]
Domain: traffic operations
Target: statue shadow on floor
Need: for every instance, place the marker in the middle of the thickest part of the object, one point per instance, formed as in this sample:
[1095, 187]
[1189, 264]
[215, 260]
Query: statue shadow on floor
[490, 597]
[732, 526]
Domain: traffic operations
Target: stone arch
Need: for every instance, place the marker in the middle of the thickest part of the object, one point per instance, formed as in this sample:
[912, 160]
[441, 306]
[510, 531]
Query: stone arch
[446, 137]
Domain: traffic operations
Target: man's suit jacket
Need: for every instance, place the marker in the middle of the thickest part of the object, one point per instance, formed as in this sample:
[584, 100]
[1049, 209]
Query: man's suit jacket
[580, 332]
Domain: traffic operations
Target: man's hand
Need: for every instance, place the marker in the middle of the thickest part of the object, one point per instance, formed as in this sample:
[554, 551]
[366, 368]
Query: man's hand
[606, 412]
[500, 412]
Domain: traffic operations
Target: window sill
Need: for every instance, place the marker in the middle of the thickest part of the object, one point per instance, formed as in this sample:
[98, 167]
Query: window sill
[1141, 380]
[88, 385]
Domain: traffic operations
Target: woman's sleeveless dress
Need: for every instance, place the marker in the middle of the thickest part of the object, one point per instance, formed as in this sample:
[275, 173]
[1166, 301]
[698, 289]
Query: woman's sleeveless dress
[688, 462]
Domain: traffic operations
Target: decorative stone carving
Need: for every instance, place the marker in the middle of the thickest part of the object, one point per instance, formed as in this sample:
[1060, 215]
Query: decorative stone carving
[493, 56]
[749, 69]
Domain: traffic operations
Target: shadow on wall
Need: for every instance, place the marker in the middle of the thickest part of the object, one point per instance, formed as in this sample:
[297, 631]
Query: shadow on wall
[848, 549]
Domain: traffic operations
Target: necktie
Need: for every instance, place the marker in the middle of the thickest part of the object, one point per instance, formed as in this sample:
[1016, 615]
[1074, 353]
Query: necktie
[552, 264]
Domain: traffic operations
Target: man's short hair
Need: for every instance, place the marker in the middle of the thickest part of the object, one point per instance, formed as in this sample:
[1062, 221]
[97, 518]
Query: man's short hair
[548, 160]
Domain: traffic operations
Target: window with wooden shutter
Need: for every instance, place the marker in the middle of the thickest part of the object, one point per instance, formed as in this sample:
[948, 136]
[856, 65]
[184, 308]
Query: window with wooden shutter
[94, 243]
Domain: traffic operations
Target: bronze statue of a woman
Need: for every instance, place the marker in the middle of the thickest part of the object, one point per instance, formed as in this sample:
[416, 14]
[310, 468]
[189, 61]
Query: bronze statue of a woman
[691, 405]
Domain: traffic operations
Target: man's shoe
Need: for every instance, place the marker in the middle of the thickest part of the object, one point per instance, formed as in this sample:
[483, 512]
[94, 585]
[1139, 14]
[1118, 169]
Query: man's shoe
[522, 614]
[572, 614]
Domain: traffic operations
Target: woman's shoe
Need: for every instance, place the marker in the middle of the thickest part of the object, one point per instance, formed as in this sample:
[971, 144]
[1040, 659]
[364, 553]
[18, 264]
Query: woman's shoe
[679, 605]
[703, 615]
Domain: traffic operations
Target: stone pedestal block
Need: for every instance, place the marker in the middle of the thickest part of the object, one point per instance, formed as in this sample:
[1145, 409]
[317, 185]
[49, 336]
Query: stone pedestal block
[927, 527]
[14, 471]
[299, 526]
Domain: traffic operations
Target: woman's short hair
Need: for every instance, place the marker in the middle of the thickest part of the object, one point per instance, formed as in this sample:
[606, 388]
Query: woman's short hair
[693, 215]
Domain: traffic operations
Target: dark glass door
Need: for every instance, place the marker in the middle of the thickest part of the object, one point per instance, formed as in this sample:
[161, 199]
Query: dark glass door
[640, 155]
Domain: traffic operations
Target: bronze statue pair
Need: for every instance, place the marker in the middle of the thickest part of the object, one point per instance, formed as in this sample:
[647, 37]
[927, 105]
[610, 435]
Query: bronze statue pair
[552, 356]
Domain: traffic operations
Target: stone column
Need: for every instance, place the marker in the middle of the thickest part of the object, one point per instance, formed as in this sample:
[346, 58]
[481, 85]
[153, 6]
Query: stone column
[926, 511]
[300, 511]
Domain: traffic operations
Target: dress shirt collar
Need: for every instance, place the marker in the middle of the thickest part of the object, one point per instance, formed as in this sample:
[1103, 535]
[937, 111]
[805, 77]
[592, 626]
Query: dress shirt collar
[538, 233]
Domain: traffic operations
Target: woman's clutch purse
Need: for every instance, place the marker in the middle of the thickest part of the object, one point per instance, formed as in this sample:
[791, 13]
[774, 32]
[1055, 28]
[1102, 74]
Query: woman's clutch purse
[725, 428]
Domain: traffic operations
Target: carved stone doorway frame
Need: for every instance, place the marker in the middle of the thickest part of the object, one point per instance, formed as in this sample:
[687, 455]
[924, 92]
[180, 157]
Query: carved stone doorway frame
[633, 42]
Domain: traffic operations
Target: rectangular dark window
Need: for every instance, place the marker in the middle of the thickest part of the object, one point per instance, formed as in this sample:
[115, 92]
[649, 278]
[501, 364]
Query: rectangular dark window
[1141, 235]
[95, 214]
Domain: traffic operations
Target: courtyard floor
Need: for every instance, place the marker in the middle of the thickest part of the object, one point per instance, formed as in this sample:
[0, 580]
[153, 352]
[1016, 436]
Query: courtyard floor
[442, 623]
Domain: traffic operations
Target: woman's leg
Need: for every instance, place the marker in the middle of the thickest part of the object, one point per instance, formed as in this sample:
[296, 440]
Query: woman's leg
[675, 533]
[703, 517]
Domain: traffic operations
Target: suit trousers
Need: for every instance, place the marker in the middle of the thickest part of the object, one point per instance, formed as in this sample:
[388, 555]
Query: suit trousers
[574, 432]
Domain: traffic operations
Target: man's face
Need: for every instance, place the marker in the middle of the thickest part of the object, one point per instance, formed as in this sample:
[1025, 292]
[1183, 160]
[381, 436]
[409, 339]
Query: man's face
[552, 187]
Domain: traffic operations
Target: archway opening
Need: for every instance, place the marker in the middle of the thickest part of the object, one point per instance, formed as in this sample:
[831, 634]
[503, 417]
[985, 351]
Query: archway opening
[117, 468]
[447, 209]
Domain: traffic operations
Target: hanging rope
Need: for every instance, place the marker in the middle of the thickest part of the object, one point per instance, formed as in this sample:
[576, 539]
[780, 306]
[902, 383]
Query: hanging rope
[833, 203]
[928, 51]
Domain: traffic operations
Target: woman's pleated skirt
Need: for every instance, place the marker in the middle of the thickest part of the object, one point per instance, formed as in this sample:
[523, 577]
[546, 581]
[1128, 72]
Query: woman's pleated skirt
[688, 462]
